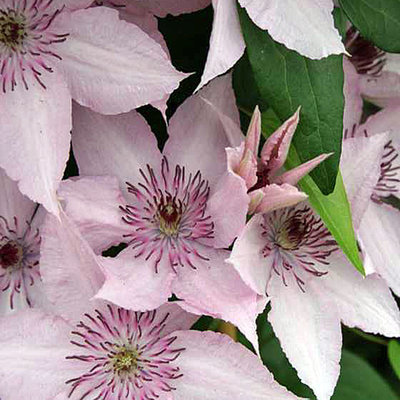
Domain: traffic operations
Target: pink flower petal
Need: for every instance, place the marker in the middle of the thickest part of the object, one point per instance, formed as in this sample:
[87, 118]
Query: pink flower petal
[361, 172]
[216, 289]
[352, 96]
[33, 348]
[308, 327]
[383, 90]
[92, 203]
[134, 284]
[163, 7]
[70, 270]
[35, 129]
[379, 234]
[277, 196]
[217, 368]
[226, 42]
[247, 257]
[228, 212]
[293, 176]
[365, 303]
[108, 73]
[198, 137]
[276, 148]
[13, 203]
[113, 145]
[307, 28]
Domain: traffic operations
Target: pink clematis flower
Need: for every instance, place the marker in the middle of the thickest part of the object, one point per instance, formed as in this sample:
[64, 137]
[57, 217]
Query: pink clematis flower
[269, 188]
[91, 349]
[176, 213]
[370, 165]
[290, 256]
[307, 28]
[20, 221]
[378, 72]
[52, 51]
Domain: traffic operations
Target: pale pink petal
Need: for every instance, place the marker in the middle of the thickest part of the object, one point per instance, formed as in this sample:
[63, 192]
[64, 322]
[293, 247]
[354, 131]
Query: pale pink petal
[243, 164]
[198, 137]
[383, 90]
[253, 134]
[14, 204]
[226, 42]
[276, 148]
[133, 283]
[92, 203]
[278, 196]
[33, 348]
[352, 96]
[113, 145]
[227, 207]
[306, 27]
[293, 176]
[70, 270]
[35, 129]
[386, 120]
[216, 289]
[217, 368]
[109, 73]
[360, 166]
[308, 327]
[379, 234]
[365, 303]
[72, 4]
[247, 257]
[163, 7]
[178, 319]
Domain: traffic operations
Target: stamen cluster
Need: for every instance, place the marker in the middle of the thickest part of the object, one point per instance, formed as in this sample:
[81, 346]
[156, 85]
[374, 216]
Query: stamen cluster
[126, 355]
[19, 260]
[169, 216]
[297, 240]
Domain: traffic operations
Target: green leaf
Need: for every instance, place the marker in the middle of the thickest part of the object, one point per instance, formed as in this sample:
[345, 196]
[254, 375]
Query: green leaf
[357, 381]
[334, 209]
[285, 81]
[394, 356]
[377, 21]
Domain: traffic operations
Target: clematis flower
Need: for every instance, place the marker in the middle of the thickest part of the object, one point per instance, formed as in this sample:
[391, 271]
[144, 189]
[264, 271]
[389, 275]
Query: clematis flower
[269, 188]
[370, 165]
[307, 28]
[289, 256]
[378, 72]
[95, 350]
[52, 51]
[176, 213]
[20, 221]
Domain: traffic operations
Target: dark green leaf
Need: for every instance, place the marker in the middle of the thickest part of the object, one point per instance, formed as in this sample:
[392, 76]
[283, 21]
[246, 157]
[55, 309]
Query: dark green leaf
[394, 356]
[377, 21]
[285, 81]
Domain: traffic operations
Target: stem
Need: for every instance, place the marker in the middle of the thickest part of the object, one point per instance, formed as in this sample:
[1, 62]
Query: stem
[229, 329]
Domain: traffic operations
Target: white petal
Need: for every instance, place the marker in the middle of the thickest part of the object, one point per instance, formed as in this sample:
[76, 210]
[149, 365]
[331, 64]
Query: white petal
[362, 302]
[112, 66]
[308, 328]
[35, 129]
[306, 27]
[226, 42]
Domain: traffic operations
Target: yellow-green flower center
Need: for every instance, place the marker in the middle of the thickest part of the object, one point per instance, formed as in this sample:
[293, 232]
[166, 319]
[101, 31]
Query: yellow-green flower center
[125, 361]
[291, 234]
[169, 217]
[12, 29]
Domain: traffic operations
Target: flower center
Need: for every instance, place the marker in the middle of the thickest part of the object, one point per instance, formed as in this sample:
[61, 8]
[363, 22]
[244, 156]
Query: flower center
[366, 58]
[11, 254]
[291, 233]
[125, 361]
[169, 216]
[12, 29]
[126, 356]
